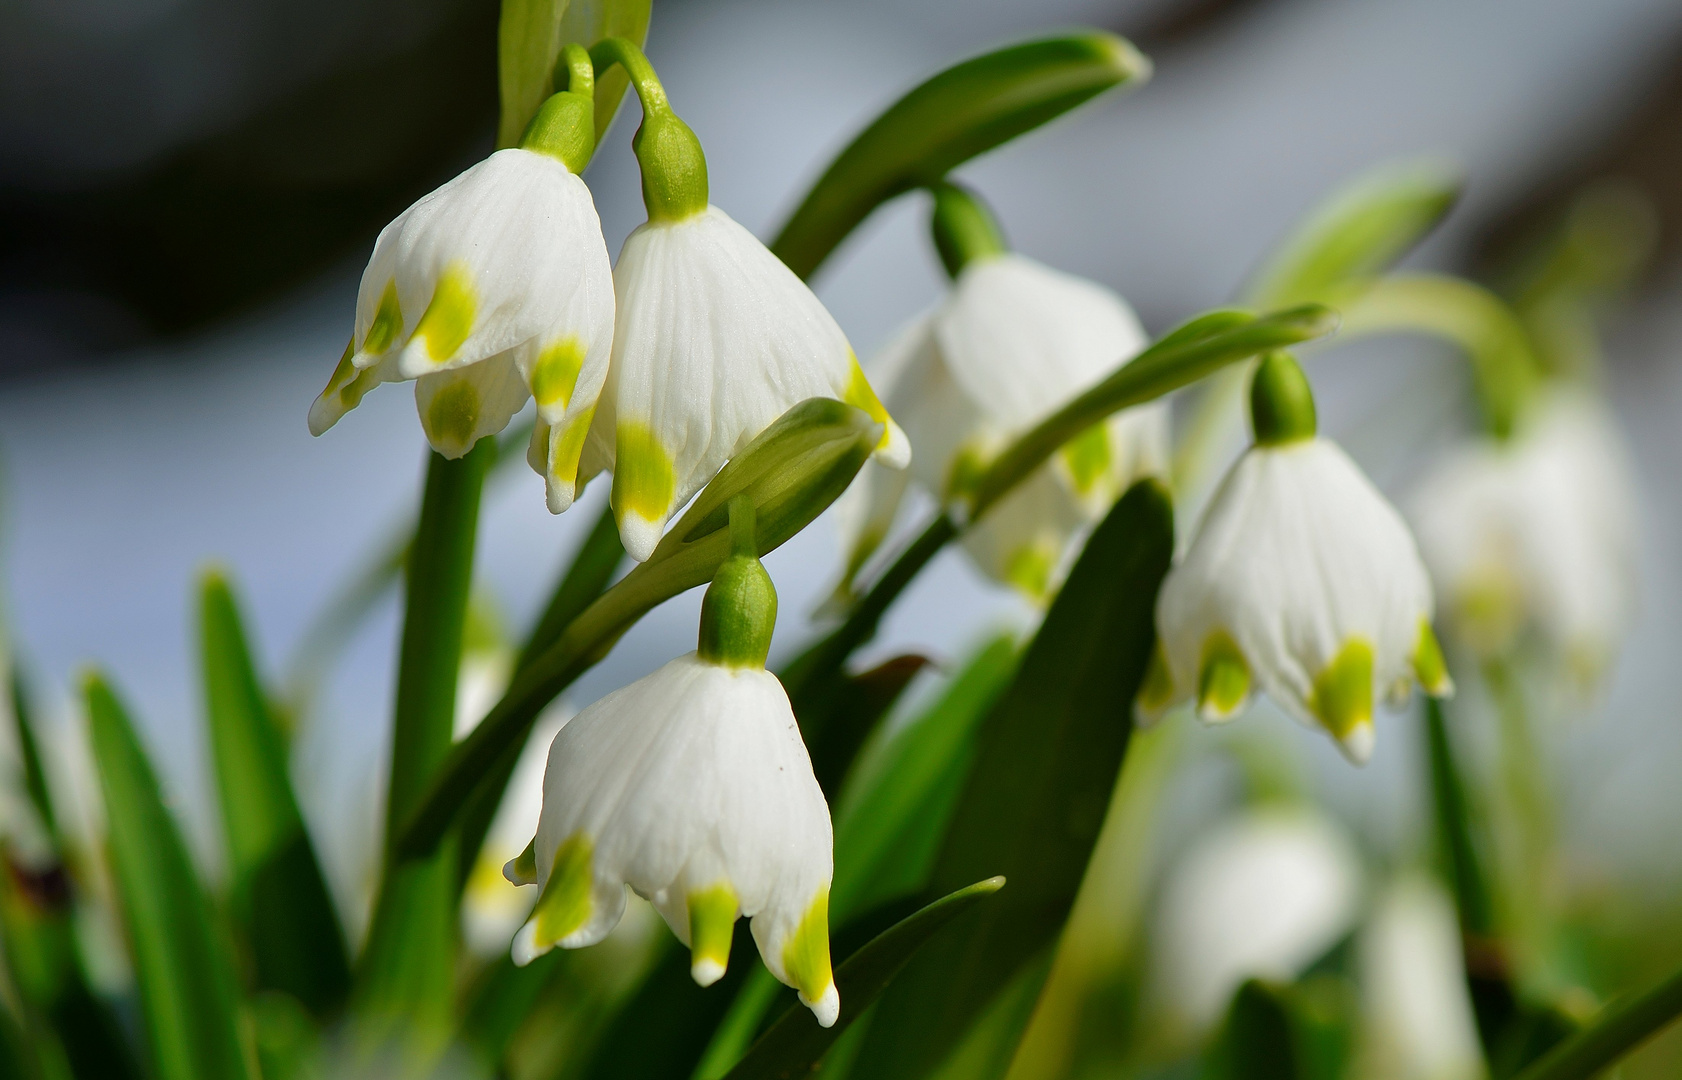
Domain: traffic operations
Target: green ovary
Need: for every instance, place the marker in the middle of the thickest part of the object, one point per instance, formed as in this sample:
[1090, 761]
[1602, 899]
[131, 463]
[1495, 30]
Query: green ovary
[565, 904]
[1342, 698]
[449, 317]
[1428, 664]
[1223, 680]
[452, 416]
[806, 952]
[712, 921]
[556, 372]
[644, 478]
[388, 322]
[1087, 457]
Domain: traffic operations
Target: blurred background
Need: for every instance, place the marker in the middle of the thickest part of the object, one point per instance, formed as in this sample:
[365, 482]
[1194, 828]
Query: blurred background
[189, 190]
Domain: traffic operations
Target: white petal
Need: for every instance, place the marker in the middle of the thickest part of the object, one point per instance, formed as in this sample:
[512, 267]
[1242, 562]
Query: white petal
[1025, 541]
[1415, 1007]
[460, 406]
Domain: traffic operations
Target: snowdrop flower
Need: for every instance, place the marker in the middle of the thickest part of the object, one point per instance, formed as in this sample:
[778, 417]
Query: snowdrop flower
[1301, 581]
[1537, 532]
[1415, 1005]
[492, 289]
[1011, 343]
[1262, 896]
[692, 786]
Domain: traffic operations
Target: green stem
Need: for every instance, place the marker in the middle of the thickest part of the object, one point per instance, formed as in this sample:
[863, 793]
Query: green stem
[964, 228]
[674, 169]
[1620, 1028]
[574, 72]
[1448, 799]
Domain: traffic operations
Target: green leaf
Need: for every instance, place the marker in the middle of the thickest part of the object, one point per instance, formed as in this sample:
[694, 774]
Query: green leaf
[1358, 232]
[794, 1044]
[964, 111]
[1033, 803]
[181, 966]
[792, 471]
[1620, 1028]
[852, 714]
[34, 776]
[1279, 1032]
[529, 39]
[280, 897]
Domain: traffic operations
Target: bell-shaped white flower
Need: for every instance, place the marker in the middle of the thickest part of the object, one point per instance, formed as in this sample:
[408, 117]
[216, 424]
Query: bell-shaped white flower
[1013, 341]
[1302, 580]
[1262, 896]
[1415, 1009]
[692, 786]
[714, 339]
[1537, 532]
[494, 288]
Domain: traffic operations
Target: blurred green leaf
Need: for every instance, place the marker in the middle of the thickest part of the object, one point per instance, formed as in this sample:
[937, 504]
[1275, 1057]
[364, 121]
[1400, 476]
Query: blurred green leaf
[182, 967]
[852, 714]
[1358, 232]
[794, 1045]
[34, 776]
[964, 111]
[530, 37]
[280, 898]
[1279, 1032]
[1033, 803]
[793, 470]
[288, 1042]
[1619, 1028]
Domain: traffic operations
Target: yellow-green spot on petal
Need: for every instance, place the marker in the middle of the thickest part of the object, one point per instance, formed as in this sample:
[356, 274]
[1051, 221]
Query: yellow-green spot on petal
[523, 869]
[448, 319]
[556, 372]
[860, 395]
[1342, 697]
[565, 447]
[712, 920]
[345, 371]
[1223, 678]
[453, 415]
[1428, 664]
[387, 326]
[806, 952]
[565, 903]
[644, 478]
[1030, 567]
[1087, 457]
[1157, 690]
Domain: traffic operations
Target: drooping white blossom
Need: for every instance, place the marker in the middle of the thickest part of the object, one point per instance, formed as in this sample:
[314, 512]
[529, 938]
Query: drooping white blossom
[691, 786]
[1012, 342]
[714, 339]
[1538, 532]
[1261, 896]
[492, 289]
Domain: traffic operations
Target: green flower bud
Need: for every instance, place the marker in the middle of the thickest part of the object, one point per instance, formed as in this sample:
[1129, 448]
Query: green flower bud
[1281, 402]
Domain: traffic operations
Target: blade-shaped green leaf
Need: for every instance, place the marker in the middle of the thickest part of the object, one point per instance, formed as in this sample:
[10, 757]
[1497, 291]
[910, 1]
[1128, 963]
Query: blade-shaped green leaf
[1621, 1027]
[1278, 1032]
[280, 898]
[1358, 232]
[1035, 799]
[964, 111]
[795, 1044]
[530, 37]
[861, 703]
[792, 471]
[181, 965]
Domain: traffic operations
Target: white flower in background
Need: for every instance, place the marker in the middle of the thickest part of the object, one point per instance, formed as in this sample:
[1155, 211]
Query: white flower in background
[1539, 532]
[692, 786]
[1415, 1007]
[1262, 896]
[1302, 580]
[492, 289]
[1014, 341]
[715, 338]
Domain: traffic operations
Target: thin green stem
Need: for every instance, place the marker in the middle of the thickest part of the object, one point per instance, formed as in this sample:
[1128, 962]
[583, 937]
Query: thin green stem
[575, 72]
[964, 229]
[624, 52]
[674, 168]
[1621, 1027]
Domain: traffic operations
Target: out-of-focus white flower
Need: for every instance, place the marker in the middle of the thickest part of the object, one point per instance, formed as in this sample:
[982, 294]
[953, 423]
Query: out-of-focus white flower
[690, 785]
[1538, 532]
[1014, 341]
[714, 339]
[1415, 1005]
[494, 288]
[1303, 581]
[1261, 896]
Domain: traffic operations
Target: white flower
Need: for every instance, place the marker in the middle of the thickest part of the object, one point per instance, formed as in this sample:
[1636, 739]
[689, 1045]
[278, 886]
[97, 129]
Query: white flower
[1414, 1002]
[1013, 342]
[1262, 896]
[690, 785]
[715, 338]
[494, 288]
[1537, 532]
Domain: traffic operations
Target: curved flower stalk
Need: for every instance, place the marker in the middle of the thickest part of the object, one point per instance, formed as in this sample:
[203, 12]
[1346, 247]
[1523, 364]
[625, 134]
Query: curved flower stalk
[1301, 581]
[1013, 341]
[714, 337]
[1416, 1010]
[1536, 533]
[692, 786]
[492, 289]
